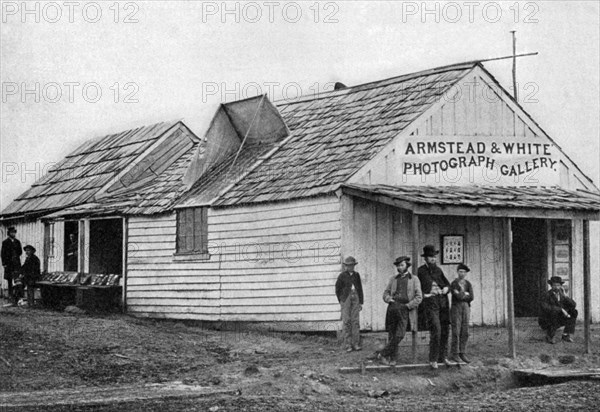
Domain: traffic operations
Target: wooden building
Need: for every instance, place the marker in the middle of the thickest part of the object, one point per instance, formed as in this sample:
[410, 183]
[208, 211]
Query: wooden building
[250, 223]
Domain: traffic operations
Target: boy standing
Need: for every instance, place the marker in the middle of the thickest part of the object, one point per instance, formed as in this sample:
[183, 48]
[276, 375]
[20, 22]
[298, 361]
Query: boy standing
[348, 290]
[462, 295]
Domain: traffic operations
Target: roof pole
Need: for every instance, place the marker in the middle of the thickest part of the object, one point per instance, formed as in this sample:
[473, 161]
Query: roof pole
[514, 65]
[510, 301]
[586, 286]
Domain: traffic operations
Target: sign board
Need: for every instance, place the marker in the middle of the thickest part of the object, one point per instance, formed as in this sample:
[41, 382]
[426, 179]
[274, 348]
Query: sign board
[484, 160]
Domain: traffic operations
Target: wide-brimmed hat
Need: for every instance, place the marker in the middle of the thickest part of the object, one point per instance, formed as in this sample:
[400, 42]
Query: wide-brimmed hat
[402, 259]
[29, 247]
[462, 266]
[350, 261]
[556, 279]
[429, 250]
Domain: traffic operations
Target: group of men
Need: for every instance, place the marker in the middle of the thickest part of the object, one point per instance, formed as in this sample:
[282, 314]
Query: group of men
[421, 303]
[17, 275]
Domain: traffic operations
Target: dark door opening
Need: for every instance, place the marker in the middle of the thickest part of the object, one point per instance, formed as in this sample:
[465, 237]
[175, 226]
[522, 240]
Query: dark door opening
[106, 246]
[529, 265]
[71, 246]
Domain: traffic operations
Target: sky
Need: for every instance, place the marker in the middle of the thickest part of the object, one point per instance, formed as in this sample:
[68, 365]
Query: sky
[72, 71]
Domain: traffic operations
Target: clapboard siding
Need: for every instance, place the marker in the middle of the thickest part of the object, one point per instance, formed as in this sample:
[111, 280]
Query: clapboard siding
[376, 234]
[29, 232]
[263, 260]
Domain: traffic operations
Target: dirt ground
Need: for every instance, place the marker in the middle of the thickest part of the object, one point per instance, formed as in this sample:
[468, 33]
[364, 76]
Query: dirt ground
[270, 371]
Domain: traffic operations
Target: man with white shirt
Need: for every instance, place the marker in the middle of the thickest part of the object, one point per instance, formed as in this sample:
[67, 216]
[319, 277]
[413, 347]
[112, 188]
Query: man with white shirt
[348, 290]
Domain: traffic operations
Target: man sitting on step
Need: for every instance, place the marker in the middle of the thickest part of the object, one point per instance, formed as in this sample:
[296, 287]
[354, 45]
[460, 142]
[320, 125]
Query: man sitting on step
[557, 310]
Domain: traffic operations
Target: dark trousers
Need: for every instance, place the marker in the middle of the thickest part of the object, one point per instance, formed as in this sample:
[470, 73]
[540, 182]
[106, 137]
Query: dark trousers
[398, 320]
[460, 314]
[351, 320]
[30, 295]
[10, 287]
[556, 319]
[438, 317]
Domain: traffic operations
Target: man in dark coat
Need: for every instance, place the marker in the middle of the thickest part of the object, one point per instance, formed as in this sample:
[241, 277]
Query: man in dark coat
[435, 288]
[462, 296]
[31, 272]
[349, 292]
[11, 259]
[557, 310]
[71, 255]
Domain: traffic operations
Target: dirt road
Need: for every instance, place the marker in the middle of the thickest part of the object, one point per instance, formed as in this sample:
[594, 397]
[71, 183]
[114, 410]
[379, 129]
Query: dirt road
[105, 360]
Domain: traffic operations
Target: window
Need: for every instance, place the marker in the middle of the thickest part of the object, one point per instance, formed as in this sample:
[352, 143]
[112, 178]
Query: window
[192, 231]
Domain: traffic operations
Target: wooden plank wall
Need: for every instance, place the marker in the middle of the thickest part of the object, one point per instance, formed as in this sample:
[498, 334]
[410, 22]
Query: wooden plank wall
[483, 254]
[29, 233]
[375, 234]
[268, 262]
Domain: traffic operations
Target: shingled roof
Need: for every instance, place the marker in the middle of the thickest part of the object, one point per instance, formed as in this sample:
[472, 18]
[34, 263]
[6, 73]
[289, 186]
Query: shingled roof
[80, 176]
[336, 133]
[552, 198]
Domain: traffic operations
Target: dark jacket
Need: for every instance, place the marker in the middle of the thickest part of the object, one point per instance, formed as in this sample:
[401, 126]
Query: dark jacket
[11, 256]
[427, 275]
[343, 286]
[31, 270]
[459, 295]
[551, 308]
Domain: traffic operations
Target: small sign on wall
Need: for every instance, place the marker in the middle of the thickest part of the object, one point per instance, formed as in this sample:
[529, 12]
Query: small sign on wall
[453, 249]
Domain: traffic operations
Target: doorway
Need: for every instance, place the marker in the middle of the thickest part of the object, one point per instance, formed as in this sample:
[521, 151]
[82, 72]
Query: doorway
[71, 246]
[106, 246]
[529, 251]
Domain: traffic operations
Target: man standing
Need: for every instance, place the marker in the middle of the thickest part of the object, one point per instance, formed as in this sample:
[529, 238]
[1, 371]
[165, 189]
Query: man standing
[557, 310]
[71, 258]
[462, 296]
[11, 259]
[403, 296]
[435, 287]
[348, 290]
[30, 272]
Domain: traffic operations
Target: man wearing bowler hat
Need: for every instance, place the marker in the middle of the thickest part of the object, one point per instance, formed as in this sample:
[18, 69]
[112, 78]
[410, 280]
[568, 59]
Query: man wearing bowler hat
[11, 259]
[435, 288]
[30, 272]
[349, 292]
[403, 296]
[557, 310]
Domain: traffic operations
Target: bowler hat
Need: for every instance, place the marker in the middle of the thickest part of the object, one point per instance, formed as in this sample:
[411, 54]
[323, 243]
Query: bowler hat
[11, 229]
[29, 247]
[350, 261]
[556, 279]
[402, 259]
[462, 266]
[429, 250]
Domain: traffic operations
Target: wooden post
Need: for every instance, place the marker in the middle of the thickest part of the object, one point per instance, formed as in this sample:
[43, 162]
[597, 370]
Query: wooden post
[124, 268]
[514, 65]
[510, 301]
[415, 254]
[586, 286]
